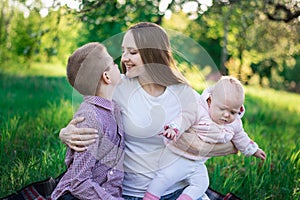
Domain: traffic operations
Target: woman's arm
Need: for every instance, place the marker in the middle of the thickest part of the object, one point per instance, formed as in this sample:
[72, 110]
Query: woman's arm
[77, 139]
[222, 149]
[191, 146]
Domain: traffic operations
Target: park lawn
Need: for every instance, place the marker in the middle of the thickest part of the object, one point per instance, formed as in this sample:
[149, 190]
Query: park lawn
[37, 102]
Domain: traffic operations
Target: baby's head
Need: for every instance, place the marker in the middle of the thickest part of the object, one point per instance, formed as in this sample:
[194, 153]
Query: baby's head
[86, 66]
[226, 100]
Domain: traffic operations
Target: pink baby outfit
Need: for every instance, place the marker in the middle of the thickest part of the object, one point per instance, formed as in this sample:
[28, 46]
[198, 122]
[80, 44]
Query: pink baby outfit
[199, 127]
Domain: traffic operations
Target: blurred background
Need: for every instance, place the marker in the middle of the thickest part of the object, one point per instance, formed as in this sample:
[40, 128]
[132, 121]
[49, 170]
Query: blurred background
[255, 41]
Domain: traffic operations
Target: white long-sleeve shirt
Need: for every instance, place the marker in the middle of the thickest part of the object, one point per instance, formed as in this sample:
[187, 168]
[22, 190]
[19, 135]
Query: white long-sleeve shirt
[144, 117]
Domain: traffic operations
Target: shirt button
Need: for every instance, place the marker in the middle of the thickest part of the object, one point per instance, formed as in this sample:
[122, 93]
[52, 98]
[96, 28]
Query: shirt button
[111, 172]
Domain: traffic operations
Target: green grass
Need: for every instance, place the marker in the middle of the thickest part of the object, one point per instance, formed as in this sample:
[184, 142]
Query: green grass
[36, 103]
[34, 106]
[272, 120]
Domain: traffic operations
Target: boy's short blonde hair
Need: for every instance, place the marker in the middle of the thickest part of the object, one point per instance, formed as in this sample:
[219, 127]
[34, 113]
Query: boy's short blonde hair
[86, 66]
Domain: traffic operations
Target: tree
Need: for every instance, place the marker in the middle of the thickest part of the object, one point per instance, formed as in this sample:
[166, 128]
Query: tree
[239, 35]
[62, 37]
[103, 19]
[5, 28]
[286, 11]
[26, 36]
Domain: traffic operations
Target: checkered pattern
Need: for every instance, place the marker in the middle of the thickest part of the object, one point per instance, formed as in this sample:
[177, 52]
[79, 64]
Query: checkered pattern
[36, 191]
[31, 192]
[214, 195]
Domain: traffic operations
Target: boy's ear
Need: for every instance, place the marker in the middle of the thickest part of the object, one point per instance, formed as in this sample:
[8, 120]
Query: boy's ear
[209, 101]
[106, 78]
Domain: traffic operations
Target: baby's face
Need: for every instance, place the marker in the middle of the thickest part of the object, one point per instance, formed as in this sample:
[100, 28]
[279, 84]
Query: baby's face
[223, 108]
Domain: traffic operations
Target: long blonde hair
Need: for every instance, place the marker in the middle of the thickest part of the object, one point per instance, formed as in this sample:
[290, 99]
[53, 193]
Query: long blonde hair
[154, 47]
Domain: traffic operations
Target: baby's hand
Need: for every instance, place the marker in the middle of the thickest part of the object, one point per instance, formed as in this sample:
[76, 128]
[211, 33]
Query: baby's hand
[260, 154]
[169, 134]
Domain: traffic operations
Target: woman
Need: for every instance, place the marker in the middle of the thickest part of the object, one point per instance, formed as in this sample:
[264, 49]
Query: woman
[152, 94]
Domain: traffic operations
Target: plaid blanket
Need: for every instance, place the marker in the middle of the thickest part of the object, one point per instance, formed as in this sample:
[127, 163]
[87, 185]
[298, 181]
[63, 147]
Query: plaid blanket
[42, 191]
[36, 191]
[214, 195]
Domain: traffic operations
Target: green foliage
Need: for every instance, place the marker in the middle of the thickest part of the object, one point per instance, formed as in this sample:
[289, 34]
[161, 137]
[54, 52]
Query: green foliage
[104, 19]
[26, 36]
[291, 72]
[243, 31]
[35, 38]
[61, 38]
[240, 36]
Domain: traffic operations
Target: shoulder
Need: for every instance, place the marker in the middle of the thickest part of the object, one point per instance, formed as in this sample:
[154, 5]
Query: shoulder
[185, 94]
[179, 87]
[84, 109]
[88, 111]
[183, 90]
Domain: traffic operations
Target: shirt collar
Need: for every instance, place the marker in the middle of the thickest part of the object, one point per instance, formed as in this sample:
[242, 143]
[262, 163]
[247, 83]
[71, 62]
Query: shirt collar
[99, 101]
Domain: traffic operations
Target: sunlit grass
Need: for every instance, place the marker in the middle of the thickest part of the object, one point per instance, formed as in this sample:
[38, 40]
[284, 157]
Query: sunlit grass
[35, 69]
[30, 149]
[35, 104]
[281, 99]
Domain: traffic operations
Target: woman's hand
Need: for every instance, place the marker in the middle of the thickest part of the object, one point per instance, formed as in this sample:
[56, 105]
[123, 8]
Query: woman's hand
[78, 138]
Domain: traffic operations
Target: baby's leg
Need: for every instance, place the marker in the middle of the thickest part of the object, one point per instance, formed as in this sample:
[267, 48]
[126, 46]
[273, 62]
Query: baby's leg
[170, 174]
[198, 182]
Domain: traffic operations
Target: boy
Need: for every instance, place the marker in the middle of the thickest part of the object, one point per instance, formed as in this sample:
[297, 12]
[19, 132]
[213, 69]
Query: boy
[96, 173]
[217, 119]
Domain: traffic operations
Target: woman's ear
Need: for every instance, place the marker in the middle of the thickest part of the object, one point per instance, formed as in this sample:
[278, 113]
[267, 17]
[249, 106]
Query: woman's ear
[106, 78]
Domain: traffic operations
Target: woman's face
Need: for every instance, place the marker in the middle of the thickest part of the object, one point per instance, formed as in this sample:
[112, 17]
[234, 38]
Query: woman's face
[131, 57]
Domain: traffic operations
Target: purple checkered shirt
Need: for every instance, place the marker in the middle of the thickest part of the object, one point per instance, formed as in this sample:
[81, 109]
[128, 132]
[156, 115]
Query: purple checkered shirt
[96, 173]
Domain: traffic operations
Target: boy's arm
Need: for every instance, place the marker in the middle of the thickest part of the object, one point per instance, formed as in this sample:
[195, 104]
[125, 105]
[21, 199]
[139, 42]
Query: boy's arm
[83, 185]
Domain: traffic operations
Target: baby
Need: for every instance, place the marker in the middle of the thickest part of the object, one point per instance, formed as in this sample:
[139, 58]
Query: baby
[215, 118]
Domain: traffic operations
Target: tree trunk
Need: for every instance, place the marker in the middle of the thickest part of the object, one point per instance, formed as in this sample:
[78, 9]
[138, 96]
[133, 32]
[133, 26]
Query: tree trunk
[224, 53]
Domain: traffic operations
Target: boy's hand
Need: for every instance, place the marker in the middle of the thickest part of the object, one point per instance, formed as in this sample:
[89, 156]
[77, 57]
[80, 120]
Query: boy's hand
[260, 154]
